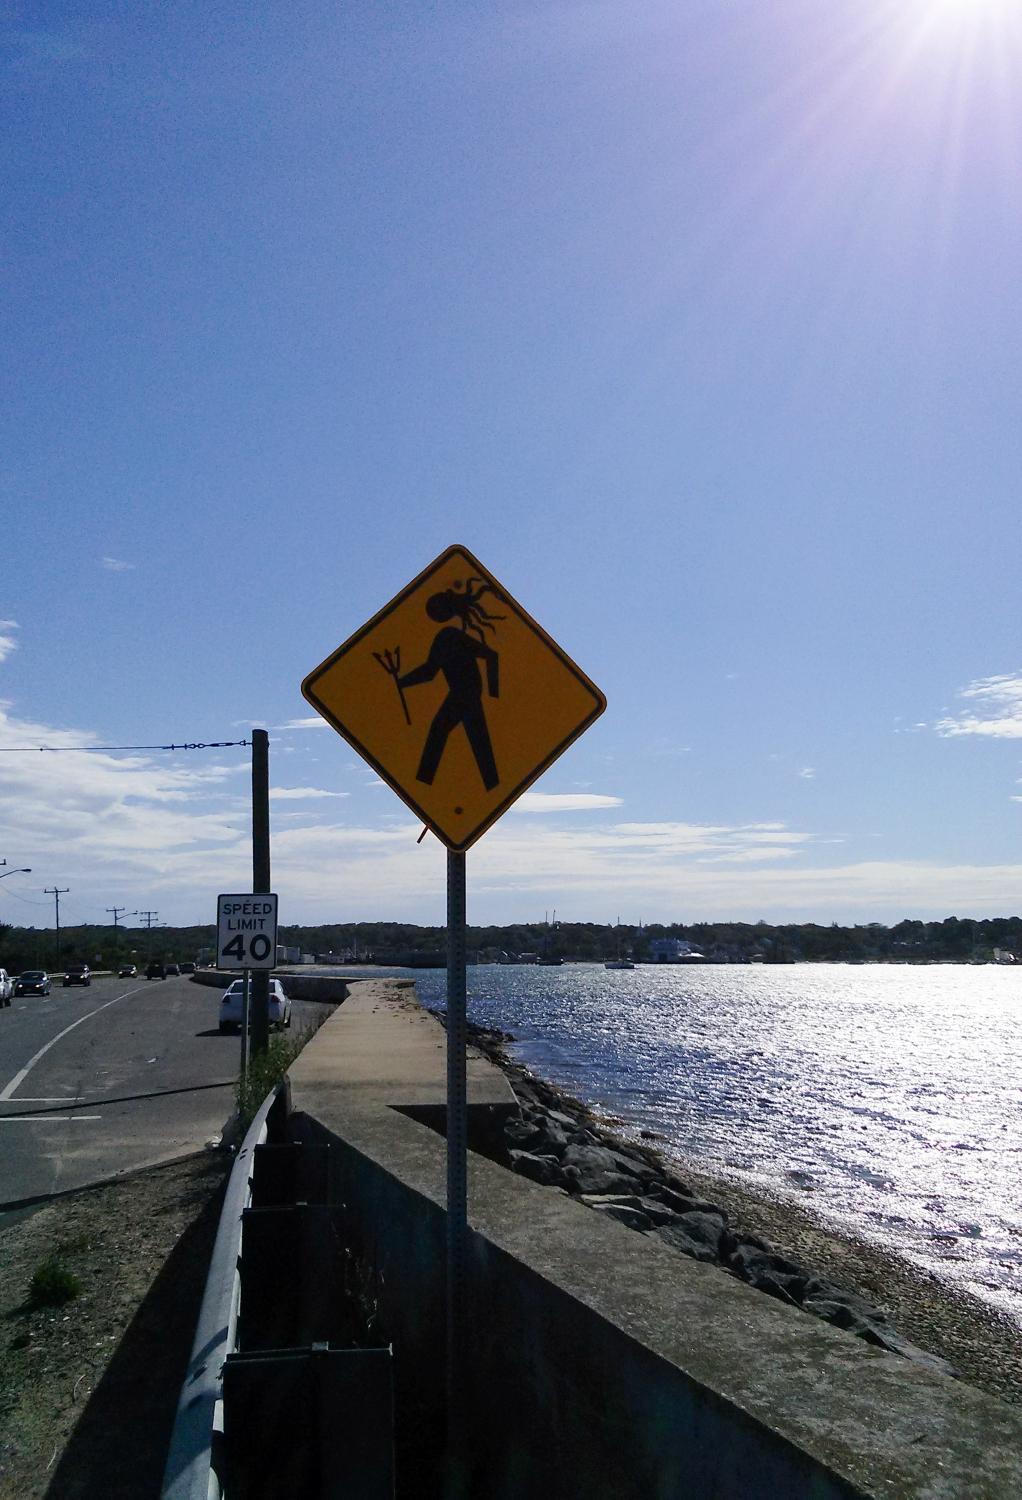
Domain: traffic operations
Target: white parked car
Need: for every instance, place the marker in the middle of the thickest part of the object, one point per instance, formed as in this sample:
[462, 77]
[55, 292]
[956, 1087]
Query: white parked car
[6, 987]
[230, 1006]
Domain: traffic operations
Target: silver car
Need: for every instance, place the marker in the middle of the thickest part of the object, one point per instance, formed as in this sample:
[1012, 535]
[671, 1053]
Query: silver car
[230, 1006]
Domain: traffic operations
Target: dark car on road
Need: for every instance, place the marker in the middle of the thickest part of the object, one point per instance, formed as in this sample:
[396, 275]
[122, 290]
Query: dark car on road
[187, 968]
[172, 969]
[77, 974]
[32, 982]
[127, 971]
[155, 971]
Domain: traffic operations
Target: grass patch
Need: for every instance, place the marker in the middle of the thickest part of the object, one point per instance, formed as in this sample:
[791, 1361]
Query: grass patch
[52, 1284]
[265, 1071]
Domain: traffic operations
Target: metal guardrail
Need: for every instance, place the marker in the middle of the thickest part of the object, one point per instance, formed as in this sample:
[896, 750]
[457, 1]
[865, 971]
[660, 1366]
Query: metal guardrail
[191, 1472]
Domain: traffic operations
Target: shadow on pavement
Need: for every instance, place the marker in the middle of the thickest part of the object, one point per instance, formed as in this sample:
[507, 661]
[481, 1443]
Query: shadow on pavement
[85, 1102]
[118, 1448]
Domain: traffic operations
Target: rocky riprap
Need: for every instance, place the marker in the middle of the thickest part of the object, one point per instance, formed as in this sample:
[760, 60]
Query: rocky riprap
[558, 1143]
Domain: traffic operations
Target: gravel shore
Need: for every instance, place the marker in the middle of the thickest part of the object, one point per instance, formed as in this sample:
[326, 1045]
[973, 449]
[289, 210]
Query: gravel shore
[983, 1345]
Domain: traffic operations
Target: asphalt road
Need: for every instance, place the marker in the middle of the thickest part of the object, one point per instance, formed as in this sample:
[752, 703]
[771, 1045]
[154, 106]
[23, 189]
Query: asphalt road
[124, 1074]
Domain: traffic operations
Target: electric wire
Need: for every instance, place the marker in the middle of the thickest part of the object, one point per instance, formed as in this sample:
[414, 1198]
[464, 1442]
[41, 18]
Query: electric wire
[93, 749]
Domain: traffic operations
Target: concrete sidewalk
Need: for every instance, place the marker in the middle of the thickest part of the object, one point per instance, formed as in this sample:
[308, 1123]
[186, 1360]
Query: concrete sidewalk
[381, 1047]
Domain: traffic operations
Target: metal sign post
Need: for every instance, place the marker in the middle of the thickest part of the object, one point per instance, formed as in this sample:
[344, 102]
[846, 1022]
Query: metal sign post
[261, 880]
[457, 1171]
[459, 700]
[245, 997]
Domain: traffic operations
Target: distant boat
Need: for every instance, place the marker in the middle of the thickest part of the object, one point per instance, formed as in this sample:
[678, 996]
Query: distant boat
[551, 963]
[619, 962]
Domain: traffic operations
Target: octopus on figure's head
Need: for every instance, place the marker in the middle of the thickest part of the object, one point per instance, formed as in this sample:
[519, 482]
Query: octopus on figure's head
[464, 603]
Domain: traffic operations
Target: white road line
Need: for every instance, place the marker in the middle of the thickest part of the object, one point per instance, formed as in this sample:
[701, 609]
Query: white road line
[19, 1078]
[35, 1119]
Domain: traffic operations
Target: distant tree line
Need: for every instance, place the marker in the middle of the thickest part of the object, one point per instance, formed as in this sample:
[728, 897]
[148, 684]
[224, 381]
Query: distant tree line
[955, 939]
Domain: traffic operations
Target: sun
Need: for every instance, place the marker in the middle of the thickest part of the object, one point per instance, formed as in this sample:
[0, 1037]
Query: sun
[992, 26]
[966, 13]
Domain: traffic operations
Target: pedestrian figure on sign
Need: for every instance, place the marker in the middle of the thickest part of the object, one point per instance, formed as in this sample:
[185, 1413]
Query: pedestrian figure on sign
[458, 656]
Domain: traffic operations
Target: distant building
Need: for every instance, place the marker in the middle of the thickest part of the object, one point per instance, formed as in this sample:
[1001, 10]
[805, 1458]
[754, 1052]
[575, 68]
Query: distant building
[671, 951]
[288, 955]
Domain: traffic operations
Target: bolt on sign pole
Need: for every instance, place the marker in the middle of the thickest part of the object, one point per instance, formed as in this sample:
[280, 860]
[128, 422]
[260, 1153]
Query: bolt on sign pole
[459, 700]
[260, 995]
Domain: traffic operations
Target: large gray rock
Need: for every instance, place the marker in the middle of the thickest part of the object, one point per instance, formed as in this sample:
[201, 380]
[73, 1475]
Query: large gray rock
[705, 1229]
[600, 1169]
[751, 1263]
[678, 1239]
[598, 1183]
[542, 1169]
[632, 1218]
[884, 1337]
[552, 1139]
[656, 1211]
[520, 1135]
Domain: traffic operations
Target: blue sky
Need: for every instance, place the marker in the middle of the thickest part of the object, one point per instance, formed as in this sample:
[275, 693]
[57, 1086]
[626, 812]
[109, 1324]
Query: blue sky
[701, 327]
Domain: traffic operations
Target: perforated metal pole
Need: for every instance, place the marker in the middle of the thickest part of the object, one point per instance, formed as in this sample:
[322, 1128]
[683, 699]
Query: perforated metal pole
[245, 1016]
[457, 1181]
[259, 1021]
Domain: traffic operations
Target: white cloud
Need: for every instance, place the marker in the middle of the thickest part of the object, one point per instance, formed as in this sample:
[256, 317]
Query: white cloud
[168, 832]
[554, 802]
[997, 711]
[115, 565]
[808, 773]
[669, 872]
[312, 723]
[7, 641]
[303, 793]
[111, 826]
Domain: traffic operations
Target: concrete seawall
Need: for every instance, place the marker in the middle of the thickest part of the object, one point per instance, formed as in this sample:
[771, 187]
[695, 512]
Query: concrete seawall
[604, 1363]
[297, 986]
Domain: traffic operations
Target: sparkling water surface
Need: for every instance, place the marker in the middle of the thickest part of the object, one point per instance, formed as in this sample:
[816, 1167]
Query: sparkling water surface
[886, 1098]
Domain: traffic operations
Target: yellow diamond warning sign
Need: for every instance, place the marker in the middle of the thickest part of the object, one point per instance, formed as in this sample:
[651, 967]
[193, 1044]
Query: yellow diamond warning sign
[456, 696]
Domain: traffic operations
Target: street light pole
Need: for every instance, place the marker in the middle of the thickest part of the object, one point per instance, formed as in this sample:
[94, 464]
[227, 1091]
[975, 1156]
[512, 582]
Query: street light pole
[26, 870]
[118, 912]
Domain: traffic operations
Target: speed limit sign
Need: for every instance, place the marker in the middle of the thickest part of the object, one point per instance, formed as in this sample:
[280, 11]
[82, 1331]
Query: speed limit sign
[246, 932]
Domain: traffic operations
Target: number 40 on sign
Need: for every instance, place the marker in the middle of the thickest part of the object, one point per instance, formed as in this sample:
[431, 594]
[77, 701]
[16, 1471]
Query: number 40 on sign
[246, 931]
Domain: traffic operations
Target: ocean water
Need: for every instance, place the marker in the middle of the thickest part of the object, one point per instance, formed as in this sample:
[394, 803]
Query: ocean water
[888, 1099]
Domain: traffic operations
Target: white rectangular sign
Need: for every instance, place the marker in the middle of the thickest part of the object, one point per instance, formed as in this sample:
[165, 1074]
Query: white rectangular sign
[246, 931]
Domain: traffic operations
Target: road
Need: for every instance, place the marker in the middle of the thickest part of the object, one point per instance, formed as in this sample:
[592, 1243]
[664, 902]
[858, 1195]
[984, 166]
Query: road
[124, 1074]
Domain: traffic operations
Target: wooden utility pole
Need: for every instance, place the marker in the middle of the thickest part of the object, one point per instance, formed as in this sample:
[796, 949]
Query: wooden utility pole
[56, 892]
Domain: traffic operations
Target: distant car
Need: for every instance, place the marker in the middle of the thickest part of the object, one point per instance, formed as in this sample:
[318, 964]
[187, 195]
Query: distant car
[155, 971]
[6, 987]
[172, 969]
[230, 1006]
[187, 968]
[127, 971]
[77, 974]
[32, 982]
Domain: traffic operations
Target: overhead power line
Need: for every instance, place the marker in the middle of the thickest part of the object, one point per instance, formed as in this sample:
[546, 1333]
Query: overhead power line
[93, 749]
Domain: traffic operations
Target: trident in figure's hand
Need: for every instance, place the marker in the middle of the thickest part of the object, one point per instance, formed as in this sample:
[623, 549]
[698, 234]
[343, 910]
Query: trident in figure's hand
[390, 661]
